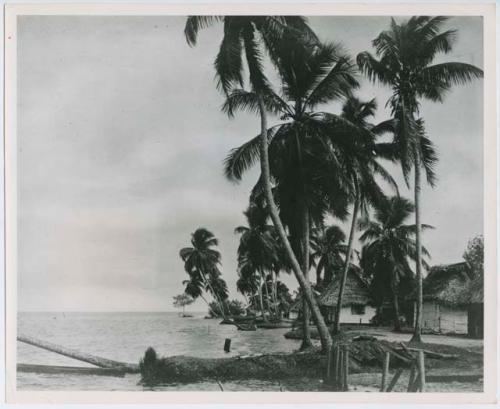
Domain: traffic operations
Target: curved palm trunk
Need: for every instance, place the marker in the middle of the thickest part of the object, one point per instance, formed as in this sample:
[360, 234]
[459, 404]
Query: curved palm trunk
[216, 298]
[210, 308]
[417, 334]
[336, 328]
[326, 340]
[306, 331]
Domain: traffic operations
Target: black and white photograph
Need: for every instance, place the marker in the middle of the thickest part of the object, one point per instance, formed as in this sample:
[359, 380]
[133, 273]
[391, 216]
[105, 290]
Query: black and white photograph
[250, 202]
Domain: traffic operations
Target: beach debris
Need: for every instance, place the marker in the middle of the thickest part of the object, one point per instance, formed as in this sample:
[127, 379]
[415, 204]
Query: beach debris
[227, 345]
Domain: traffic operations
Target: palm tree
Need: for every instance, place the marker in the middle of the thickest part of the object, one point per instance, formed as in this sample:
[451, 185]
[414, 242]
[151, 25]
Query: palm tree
[304, 151]
[362, 168]
[244, 36]
[201, 262]
[257, 252]
[328, 252]
[389, 244]
[405, 63]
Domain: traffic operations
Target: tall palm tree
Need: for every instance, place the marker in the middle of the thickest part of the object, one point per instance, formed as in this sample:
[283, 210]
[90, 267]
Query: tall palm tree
[201, 262]
[305, 153]
[405, 63]
[245, 36]
[389, 244]
[362, 169]
[328, 252]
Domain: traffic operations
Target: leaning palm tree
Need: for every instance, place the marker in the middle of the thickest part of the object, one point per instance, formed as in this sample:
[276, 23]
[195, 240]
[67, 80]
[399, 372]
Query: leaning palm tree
[257, 252]
[306, 149]
[201, 263]
[362, 168]
[244, 36]
[389, 244]
[404, 61]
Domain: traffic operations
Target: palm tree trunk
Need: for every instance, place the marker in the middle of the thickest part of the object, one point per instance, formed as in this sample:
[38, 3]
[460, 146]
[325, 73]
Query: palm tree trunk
[326, 340]
[275, 294]
[397, 322]
[209, 307]
[216, 299]
[417, 334]
[267, 297]
[306, 331]
[336, 328]
[261, 300]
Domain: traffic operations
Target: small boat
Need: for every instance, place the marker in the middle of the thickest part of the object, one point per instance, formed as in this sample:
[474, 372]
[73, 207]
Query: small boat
[247, 327]
[243, 318]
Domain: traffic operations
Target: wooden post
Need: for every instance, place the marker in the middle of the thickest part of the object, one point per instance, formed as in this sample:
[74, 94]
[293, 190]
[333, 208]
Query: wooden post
[337, 369]
[421, 370]
[227, 345]
[412, 378]
[345, 386]
[385, 372]
[394, 380]
[328, 365]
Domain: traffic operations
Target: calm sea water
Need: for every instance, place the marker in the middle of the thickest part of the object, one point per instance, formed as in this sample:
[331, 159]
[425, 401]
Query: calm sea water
[126, 336]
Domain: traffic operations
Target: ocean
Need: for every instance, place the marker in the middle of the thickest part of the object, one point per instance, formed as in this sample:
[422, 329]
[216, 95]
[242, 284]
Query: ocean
[125, 336]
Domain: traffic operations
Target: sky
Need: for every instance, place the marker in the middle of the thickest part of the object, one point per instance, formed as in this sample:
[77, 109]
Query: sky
[120, 149]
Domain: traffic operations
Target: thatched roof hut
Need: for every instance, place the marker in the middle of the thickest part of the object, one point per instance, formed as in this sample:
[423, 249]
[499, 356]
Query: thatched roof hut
[355, 292]
[446, 284]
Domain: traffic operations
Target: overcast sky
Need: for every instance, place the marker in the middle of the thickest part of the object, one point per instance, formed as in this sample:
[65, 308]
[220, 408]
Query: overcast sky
[121, 143]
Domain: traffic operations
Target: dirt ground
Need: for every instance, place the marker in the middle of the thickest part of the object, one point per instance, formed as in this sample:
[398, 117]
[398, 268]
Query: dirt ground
[452, 340]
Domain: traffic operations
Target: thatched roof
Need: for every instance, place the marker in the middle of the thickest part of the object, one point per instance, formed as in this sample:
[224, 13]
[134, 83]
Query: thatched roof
[446, 284]
[355, 292]
[473, 292]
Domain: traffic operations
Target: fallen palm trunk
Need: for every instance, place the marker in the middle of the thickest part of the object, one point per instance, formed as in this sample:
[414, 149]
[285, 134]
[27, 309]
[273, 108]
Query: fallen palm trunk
[185, 369]
[71, 370]
[80, 356]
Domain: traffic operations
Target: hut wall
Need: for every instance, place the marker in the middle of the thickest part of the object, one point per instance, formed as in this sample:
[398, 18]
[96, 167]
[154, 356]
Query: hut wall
[475, 320]
[347, 316]
[441, 318]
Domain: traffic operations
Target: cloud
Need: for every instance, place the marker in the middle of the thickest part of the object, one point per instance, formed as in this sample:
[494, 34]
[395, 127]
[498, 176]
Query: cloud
[121, 144]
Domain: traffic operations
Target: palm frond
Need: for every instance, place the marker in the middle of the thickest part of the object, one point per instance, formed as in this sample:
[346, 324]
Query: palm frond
[374, 69]
[239, 99]
[240, 159]
[435, 80]
[228, 63]
[195, 23]
[253, 55]
[338, 83]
